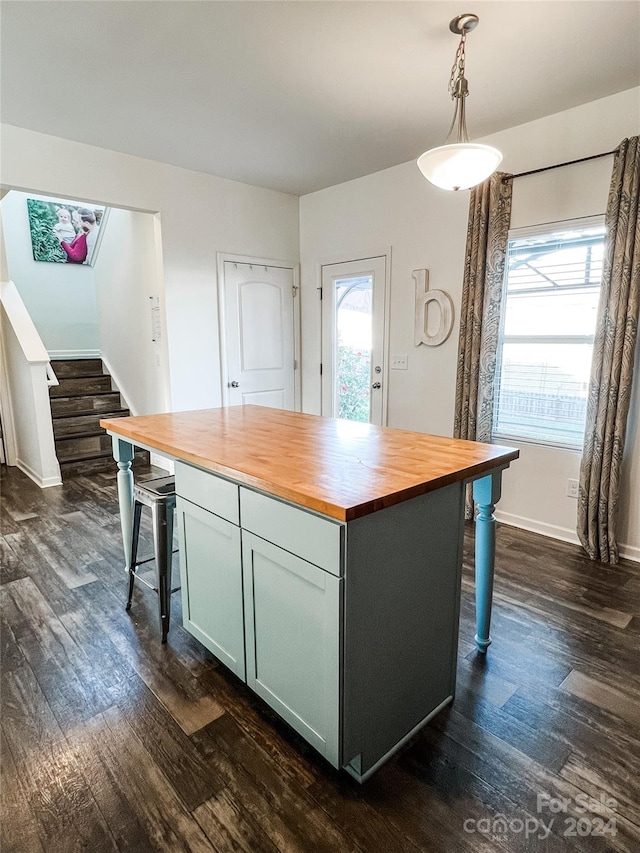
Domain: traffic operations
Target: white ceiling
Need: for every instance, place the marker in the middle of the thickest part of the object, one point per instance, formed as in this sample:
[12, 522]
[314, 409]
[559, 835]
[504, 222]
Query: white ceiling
[298, 95]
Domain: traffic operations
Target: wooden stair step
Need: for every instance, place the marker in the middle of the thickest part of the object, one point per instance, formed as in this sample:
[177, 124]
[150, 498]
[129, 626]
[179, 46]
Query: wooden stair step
[81, 386]
[86, 404]
[74, 447]
[104, 461]
[103, 453]
[78, 424]
[74, 436]
[66, 368]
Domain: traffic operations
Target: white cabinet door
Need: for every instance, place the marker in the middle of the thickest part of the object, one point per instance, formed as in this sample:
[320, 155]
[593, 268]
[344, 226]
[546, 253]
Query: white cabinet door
[292, 625]
[211, 577]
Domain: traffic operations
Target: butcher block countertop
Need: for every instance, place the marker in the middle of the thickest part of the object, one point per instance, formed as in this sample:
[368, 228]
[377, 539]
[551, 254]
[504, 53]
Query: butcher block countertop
[341, 469]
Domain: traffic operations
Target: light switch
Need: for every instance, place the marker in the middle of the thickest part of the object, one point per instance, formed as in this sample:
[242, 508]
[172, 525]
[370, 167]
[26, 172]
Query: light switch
[399, 362]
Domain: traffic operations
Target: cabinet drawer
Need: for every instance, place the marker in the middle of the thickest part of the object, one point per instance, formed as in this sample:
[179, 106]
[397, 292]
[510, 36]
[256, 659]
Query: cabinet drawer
[314, 539]
[208, 491]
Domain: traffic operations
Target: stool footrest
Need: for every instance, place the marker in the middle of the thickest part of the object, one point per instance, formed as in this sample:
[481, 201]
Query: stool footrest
[149, 559]
[146, 582]
[151, 586]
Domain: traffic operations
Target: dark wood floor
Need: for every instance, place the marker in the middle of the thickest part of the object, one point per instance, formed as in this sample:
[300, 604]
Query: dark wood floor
[111, 741]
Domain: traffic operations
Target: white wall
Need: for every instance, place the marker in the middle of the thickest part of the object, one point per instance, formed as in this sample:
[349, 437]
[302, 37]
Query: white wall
[24, 392]
[426, 227]
[199, 214]
[60, 298]
[127, 275]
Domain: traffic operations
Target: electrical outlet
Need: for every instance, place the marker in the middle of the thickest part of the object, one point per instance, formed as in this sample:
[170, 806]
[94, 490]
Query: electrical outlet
[572, 488]
[399, 362]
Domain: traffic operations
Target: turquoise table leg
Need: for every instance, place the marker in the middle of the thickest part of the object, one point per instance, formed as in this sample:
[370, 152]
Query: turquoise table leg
[123, 454]
[486, 493]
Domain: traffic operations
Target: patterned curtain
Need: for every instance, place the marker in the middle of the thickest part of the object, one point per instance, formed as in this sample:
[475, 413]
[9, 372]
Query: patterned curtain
[612, 367]
[487, 233]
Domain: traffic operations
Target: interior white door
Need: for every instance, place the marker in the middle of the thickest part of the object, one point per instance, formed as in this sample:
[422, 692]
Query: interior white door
[259, 350]
[353, 340]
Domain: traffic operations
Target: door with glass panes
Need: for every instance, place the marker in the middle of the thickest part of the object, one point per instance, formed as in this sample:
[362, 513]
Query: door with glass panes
[353, 340]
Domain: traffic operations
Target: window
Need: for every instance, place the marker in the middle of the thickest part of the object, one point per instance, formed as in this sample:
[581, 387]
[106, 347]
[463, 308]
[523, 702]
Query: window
[549, 308]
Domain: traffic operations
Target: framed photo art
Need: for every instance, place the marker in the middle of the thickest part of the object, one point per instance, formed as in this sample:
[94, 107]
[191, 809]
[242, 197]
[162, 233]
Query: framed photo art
[65, 232]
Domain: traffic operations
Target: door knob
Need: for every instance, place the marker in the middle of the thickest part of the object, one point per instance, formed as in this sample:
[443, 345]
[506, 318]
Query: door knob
[234, 384]
[377, 385]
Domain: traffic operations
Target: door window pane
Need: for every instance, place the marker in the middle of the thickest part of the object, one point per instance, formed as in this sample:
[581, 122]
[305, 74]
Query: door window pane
[353, 300]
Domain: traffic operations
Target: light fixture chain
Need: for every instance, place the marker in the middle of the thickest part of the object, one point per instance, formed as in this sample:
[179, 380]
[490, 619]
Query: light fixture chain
[457, 70]
[459, 90]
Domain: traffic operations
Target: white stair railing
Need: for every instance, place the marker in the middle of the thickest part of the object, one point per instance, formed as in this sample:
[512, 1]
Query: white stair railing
[52, 379]
[25, 377]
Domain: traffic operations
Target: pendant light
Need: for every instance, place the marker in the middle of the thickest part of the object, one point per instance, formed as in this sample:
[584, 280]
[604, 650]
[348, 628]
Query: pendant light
[462, 164]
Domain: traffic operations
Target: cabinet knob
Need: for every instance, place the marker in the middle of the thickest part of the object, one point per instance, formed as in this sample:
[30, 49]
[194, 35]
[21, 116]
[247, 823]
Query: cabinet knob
[234, 384]
[377, 385]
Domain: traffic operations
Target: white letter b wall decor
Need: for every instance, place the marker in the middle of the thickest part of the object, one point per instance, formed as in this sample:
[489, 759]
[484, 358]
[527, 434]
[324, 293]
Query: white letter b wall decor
[424, 296]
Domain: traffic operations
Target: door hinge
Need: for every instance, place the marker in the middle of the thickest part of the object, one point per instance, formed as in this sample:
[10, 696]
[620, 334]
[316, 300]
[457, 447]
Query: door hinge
[320, 289]
[294, 290]
[295, 363]
[320, 368]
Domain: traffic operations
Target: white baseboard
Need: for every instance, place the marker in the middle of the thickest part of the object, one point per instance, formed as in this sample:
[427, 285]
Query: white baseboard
[45, 482]
[73, 353]
[553, 531]
[630, 552]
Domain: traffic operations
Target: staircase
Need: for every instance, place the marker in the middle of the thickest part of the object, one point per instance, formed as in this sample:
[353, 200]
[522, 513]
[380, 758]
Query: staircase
[86, 394]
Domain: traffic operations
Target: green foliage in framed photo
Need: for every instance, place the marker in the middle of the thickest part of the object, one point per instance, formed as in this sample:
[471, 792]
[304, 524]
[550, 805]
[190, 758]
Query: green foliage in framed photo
[42, 220]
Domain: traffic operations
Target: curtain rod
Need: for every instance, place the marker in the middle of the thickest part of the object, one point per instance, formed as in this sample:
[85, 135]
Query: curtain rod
[558, 165]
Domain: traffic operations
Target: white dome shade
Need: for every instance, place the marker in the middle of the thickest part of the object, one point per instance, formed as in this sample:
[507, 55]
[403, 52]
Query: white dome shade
[459, 166]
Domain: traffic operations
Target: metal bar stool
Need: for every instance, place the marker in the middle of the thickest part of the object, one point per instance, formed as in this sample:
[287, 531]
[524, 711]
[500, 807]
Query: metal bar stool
[160, 496]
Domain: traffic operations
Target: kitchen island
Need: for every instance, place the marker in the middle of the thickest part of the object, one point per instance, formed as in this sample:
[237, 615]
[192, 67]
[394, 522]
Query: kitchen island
[320, 561]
